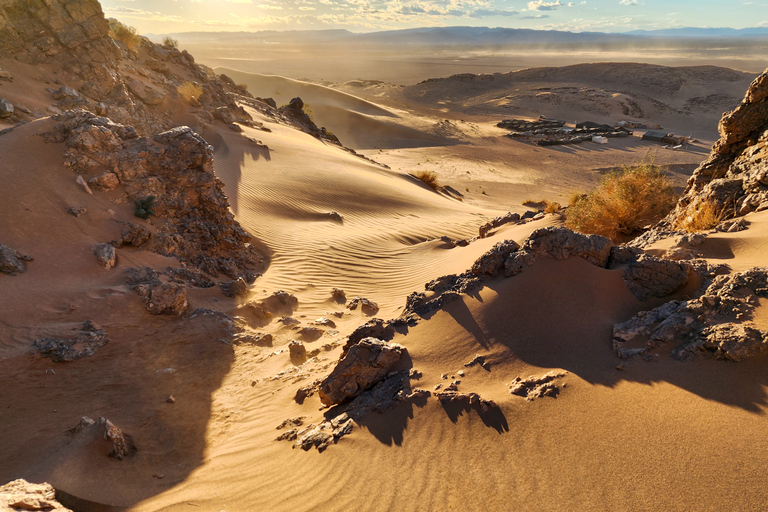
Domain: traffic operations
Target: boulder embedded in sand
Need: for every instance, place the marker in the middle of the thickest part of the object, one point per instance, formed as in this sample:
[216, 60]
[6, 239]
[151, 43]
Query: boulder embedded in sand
[373, 328]
[297, 351]
[122, 444]
[106, 255]
[559, 243]
[22, 495]
[11, 261]
[236, 288]
[492, 262]
[134, 234]
[364, 365]
[6, 108]
[650, 276]
[167, 299]
[106, 181]
[367, 306]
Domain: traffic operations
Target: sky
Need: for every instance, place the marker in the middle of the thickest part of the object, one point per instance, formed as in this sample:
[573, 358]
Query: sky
[169, 16]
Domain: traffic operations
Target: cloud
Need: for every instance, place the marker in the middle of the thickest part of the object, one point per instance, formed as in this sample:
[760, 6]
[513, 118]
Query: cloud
[543, 5]
[535, 17]
[628, 2]
[482, 13]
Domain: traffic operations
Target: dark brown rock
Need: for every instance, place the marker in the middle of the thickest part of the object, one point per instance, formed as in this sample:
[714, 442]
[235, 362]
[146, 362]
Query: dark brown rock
[12, 261]
[70, 347]
[364, 365]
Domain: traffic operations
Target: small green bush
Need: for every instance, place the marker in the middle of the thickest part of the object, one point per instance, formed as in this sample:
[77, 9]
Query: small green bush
[144, 207]
[127, 35]
[626, 200]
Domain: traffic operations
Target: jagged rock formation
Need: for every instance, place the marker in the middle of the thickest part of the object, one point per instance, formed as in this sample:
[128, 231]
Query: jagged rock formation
[176, 169]
[715, 324]
[735, 176]
[104, 75]
[21, 495]
[536, 386]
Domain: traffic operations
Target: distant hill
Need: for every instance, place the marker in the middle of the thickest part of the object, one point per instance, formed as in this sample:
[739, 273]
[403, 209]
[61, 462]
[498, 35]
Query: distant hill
[464, 36]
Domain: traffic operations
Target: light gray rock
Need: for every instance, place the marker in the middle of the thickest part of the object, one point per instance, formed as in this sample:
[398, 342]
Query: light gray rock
[6, 108]
[106, 255]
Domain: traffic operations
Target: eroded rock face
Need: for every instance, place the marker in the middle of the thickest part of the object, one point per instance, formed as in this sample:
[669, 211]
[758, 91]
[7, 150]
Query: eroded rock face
[105, 253]
[492, 262]
[649, 276]
[486, 228]
[365, 364]
[374, 328]
[176, 168]
[713, 325]
[735, 176]
[22, 495]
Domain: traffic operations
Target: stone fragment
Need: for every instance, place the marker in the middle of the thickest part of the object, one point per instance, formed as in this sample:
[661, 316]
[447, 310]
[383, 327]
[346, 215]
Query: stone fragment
[236, 288]
[122, 444]
[536, 387]
[367, 306]
[76, 211]
[106, 255]
[12, 261]
[80, 181]
[6, 108]
[297, 351]
[22, 495]
[106, 181]
[83, 343]
[134, 234]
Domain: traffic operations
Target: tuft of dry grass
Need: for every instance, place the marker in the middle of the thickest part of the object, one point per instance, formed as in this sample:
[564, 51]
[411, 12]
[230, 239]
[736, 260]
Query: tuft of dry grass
[625, 201]
[543, 204]
[169, 42]
[552, 207]
[428, 177]
[700, 216]
[190, 91]
[127, 35]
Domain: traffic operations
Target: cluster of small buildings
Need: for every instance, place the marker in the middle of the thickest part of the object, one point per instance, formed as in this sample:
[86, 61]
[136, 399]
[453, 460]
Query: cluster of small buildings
[553, 132]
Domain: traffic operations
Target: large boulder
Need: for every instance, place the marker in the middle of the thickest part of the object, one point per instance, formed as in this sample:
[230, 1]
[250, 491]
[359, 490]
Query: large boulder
[558, 243]
[22, 495]
[364, 365]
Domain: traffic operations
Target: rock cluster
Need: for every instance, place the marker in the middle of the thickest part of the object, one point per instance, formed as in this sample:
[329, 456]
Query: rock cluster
[536, 386]
[121, 444]
[715, 324]
[83, 343]
[160, 298]
[21, 495]
[176, 168]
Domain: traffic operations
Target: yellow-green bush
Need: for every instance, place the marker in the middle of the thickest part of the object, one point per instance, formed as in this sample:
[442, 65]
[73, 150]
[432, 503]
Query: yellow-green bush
[626, 200]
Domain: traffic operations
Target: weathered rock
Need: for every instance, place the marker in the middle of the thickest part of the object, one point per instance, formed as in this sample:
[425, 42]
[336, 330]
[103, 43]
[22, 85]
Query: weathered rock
[106, 181]
[106, 255]
[254, 338]
[64, 348]
[148, 94]
[650, 277]
[710, 325]
[364, 365]
[536, 387]
[6, 76]
[498, 221]
[367, 306]
[558, 243]
[339, 295]
[297, 351]
[64, 92]
[470, 399]
[373, 328]
[6, 108]
[134, 234]
[76, 211]
[236, 288]
[12, 261]
[22, 495]
[166, 299]
[80, 181]
[122, 443]
[492, 262]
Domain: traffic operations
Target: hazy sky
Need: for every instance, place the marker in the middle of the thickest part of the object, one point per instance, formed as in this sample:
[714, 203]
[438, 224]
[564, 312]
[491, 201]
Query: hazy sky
[165, 16]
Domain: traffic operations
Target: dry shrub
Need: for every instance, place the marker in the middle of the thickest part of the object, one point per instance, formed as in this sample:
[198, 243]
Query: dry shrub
[127, 35]
[544, 204]
[700, 215]
[552, 207]
[428, 177]
[169, 42]
[625, 201]
[190, 91]
[532, 203]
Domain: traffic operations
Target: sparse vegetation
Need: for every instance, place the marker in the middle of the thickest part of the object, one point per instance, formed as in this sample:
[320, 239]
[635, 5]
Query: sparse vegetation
[190, 91]
[144, 207]
[169, 42]
[428, 177]
[543, 204]
[243, 86]
[127, 35]
[701, 216]
[625, 201]
[552, 207]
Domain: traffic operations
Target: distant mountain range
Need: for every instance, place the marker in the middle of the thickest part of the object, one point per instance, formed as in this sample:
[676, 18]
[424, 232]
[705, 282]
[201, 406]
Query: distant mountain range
[473, 36]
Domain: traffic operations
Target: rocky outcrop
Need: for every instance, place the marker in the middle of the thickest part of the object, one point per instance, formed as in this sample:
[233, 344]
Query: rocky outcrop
[373, 328]
[367, 306]
[160, 298]
[174, 167]
[12, 261]
[83, 343]
[734, 179]
[716, 324]
[295, 114]
[493, 261]
[558, 243]
[536, 386]
[649, 276]
[485, 229]
[20, 495]
[365, 364]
